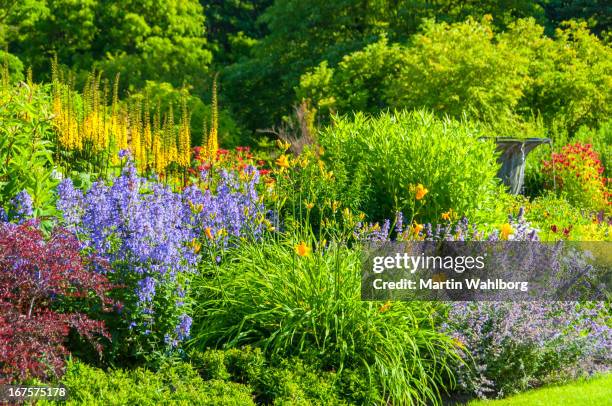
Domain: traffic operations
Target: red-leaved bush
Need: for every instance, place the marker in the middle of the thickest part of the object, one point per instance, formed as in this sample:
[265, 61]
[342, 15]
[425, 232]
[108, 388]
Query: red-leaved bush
[46, 289]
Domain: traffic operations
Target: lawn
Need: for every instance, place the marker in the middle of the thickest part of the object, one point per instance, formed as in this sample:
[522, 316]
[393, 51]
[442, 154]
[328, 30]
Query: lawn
[595, 391]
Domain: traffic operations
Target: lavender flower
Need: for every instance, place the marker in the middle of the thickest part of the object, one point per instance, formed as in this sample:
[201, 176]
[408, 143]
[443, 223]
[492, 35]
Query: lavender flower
[146, 290]
[22, 205]
[184, 327]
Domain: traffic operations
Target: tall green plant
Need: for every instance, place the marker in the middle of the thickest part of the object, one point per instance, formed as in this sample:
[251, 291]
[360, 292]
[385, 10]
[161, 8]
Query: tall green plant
[398, 151]
[26, 154]
[295, 300]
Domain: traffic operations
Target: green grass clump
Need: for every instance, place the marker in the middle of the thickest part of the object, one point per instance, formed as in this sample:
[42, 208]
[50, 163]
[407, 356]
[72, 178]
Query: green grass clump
[310, 307]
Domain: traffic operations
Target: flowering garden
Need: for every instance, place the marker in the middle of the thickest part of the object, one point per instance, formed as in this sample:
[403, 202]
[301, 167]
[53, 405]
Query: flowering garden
[142, 263]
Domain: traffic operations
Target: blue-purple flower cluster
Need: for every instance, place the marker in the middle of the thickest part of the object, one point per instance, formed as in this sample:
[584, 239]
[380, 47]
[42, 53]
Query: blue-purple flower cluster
[510, 347]
[149, 234]
[462, 230]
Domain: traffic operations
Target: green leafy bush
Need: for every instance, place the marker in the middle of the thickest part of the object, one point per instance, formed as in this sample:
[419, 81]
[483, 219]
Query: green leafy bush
[282, 381]
[177, 384]
[401, 149]
[26, 152]
[502, 78]
[309, 306]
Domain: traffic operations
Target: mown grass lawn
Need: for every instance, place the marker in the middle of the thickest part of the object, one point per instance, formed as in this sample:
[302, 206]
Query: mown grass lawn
[592, 392]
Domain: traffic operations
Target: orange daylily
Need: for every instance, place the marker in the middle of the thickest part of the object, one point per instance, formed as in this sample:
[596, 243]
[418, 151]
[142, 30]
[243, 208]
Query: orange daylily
[283, 161]
[302, 249]
[506, 230]
[420, 192]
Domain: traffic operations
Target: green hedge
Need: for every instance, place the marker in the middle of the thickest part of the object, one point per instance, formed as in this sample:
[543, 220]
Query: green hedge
[176, 385]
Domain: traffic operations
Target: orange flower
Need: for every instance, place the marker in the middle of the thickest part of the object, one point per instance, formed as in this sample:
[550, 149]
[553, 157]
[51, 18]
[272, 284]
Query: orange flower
[446, 216]
[506, 230]
[384, 307]
[196, 246]
[420, 192]
[283, 161]
[302, 249]
[208, 233]
[416, 228]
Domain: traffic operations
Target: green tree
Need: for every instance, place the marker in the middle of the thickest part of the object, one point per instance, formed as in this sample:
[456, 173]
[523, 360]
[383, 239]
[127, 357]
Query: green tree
[504, 79]
[143, 40]
[232, 27]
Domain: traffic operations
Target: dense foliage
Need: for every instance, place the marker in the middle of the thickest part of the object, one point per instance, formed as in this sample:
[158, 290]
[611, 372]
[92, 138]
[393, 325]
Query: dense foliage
[395, 151]
[157, 246]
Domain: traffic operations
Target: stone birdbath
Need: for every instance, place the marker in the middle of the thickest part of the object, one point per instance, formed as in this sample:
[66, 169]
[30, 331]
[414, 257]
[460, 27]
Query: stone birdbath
[513, 156]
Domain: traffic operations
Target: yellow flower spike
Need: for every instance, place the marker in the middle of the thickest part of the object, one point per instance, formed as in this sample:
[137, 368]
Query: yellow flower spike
[506, 230]
[282, 161]
[420, 192]
[321, 151]
[346, 213]
[361, 216]
[321, 166]
[335, 205]
[221, 232]
[208, 233]
[302, 249]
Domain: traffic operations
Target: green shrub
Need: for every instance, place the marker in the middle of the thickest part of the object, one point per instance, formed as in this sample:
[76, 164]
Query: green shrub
[401, 149]
[279, 381]
[26, 153]
[504, 78]
[310, 307]
[178, 385]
